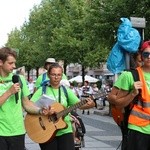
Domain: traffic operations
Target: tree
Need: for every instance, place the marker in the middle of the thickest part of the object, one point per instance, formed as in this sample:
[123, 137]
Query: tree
[74, 30]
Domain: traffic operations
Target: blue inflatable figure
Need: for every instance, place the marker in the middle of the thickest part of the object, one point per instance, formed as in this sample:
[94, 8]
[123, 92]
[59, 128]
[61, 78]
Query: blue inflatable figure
[128, 41]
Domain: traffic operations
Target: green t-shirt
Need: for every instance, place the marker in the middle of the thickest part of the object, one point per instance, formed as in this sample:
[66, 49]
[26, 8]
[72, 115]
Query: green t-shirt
[53, 94]
[40, 78]
[11, 116]
[125, 82]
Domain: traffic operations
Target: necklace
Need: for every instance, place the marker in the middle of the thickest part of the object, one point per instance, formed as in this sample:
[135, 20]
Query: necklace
[55, 96]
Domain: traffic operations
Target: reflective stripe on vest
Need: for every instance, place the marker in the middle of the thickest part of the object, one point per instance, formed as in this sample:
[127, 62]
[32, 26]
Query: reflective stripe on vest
[140, 113]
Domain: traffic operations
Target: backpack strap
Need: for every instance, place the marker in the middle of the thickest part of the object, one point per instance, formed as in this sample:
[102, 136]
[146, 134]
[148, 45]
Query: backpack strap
[44, 76]
[44, 83]
[135, 74]
[65, 92]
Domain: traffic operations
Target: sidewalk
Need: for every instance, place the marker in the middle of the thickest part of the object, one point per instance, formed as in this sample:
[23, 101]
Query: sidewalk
[102, 111]
[30, 145]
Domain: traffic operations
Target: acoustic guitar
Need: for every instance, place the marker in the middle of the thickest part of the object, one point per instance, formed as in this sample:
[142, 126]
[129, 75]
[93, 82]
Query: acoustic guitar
[42, 128]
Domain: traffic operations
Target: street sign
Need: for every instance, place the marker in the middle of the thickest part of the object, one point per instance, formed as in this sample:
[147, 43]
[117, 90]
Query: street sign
[138, 22]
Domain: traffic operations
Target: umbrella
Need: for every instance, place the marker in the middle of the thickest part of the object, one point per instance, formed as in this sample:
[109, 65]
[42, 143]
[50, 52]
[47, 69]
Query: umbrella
[78, 79]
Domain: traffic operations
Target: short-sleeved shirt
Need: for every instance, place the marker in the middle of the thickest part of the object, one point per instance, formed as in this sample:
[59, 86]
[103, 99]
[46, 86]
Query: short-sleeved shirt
[53, 94]
[40, 78]
[87, 90]
[11, 116]
[125, 82]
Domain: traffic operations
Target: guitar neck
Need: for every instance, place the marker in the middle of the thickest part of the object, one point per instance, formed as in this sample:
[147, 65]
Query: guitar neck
[99, 95]
[71, 108]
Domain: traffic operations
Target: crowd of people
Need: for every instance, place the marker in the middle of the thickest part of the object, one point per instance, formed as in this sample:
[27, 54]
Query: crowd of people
[99, 95]
[17, 94]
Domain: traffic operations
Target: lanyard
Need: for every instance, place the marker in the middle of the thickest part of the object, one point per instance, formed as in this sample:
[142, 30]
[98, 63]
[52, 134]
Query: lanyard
[59, 94]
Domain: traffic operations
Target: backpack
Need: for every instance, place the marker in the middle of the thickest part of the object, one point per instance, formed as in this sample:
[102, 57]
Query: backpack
[120, 117]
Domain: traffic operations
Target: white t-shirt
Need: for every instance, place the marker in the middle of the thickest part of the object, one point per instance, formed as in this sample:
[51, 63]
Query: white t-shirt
[31, 87]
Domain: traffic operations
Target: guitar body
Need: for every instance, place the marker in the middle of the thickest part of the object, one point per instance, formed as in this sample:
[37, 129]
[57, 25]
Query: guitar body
[117, 114]
[41, 128]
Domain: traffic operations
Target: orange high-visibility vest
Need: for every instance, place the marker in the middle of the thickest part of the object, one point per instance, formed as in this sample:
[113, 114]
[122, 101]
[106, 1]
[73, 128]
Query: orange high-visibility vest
[140, 113]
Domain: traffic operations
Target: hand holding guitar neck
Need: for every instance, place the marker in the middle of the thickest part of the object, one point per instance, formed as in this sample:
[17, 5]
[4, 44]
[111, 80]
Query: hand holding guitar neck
[90, 103]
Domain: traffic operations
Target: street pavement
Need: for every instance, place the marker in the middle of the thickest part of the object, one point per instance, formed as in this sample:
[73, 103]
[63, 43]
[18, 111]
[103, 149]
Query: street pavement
[102, 132]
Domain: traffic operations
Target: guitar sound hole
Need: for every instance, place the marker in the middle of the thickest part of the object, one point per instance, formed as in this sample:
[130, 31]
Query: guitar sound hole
[41, 123]
[53, 118]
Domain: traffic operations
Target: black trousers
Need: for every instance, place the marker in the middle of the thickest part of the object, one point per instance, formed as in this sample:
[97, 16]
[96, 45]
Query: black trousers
[12, 142]
[64, 142]
[137, 141]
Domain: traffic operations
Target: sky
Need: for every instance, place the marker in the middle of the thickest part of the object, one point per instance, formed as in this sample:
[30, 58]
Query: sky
[13, 13]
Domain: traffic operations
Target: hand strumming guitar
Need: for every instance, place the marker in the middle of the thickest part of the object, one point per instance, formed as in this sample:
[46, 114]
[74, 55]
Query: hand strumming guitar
[47, 111]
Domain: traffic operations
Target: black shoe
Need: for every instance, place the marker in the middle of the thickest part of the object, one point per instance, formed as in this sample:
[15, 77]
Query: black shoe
[83, 112]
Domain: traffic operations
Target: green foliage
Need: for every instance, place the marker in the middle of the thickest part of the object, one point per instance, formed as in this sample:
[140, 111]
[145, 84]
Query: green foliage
[76, 31]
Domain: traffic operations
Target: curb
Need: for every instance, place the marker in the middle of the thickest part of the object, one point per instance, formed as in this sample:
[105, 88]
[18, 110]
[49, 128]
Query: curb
[102, 113]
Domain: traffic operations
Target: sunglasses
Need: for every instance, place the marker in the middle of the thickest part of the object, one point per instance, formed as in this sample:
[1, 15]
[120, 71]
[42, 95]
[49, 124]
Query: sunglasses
[145, 54]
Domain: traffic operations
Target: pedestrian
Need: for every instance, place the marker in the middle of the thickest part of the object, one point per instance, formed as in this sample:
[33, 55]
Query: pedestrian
[31, 87]
[103, 99]
[74, 89]
[135, 60]
[13, 96]
[64, 137]
[95, 92]
[43, 78]
[124, 92]
[86, 92]
[79, 90]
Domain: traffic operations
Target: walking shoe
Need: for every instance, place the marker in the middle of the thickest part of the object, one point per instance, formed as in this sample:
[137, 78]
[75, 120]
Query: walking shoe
[83, 112]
